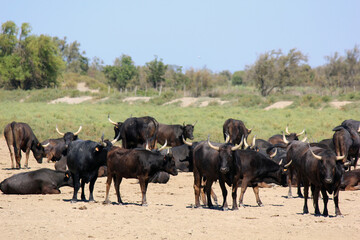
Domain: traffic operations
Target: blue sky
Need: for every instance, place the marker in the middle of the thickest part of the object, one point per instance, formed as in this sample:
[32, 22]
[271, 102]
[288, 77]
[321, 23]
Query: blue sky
[218, 35]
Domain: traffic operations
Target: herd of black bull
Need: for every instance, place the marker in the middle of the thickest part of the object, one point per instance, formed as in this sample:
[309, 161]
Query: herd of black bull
[283, 160]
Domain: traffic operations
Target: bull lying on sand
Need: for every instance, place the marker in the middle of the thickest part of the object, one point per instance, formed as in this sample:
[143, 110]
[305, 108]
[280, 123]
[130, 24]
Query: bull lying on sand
[42, 181]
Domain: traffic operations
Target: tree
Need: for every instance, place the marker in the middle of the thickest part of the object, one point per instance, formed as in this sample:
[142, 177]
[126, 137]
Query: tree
[275, 70]
[238, 78]
[28, 61]
[121, 72]
[156, 71]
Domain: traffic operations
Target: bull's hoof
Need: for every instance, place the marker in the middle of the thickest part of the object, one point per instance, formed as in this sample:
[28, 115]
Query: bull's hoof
[260, 204]
[106, 202]
[235, 208]
[144, 204]
[225, 208]
[339, 215]
[242, 205]
[289, 196]
[73, 200]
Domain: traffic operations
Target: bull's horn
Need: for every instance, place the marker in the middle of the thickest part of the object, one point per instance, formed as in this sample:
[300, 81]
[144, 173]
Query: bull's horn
[347, 163]
[245, 143]
[102, 141]
[187, 143]
[315, 156]
[287, 130]
[236, 147]
[168, 151]
[194, 123]
[301, 133]
[212, 146]
[147, 146]
[249, 130]
[78, 131]
[115, 139]
[287, 165]
[62, 134]
[253, 142]
[227, 138]
[164, 146]
[304, 140]
[45, 145]
[115, 123]
[340, 157]
[274, 154]
[280, 162]
[284, 139]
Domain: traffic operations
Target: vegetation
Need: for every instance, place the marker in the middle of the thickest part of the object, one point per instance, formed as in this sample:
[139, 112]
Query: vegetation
[43, 118]
[34, 62]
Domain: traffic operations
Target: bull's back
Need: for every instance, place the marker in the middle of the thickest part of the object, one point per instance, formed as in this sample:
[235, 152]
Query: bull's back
[123, 162]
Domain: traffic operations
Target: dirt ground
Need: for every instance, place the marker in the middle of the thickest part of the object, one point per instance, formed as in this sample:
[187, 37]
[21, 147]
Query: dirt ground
[169, 214]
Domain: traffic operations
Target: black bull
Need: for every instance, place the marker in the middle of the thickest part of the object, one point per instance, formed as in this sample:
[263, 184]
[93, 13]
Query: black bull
[137, 132]
[174, 134]
[319, 168]
[20, 137]
[42, 181]
[224, 162]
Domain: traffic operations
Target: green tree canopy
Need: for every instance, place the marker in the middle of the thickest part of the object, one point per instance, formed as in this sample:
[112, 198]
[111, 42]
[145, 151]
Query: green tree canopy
[28, 61]
[121, 72]
[156, 71]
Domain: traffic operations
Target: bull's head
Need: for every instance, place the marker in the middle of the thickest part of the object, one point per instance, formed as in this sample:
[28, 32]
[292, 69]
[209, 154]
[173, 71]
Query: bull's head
[117, 126]
[225, 154]
[169, 163]
[69, 136]
[328, 163]
[188, 131]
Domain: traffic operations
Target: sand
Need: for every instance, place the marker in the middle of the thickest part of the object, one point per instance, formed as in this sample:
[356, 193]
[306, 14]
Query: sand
[169, 214]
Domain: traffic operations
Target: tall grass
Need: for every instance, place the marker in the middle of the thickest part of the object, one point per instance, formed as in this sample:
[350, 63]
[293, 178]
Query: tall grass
[43, 118]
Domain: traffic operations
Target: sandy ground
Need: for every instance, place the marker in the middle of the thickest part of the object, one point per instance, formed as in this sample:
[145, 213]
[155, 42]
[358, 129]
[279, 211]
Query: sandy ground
[169, 215]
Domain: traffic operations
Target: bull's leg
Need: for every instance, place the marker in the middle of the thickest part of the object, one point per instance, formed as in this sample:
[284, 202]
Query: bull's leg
[76, 180]
[27, 154]
[290, 175]
[213, 195]
[234, 193]
[325, 200]
[12, 151]
[50, 189]
[336, 202]
[197, 186]
[143, 186]
[244, 185]
[91, 188]
[316, 192]
[108, 184]
[117, 181]
[306, 195]
[202, 192]
[224, 193]
[208, 192]
[83, 190]
[298, 185]
[256, 192]
[18, 157]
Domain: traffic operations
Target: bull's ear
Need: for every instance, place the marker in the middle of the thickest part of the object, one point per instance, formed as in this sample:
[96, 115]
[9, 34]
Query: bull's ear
[97, 149]
[67, 175]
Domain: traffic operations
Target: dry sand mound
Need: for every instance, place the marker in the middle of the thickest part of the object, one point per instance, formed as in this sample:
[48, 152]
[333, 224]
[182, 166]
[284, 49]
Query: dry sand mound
[339, 104]
[202, 102]
[281, 104]
[133, 99]
[70, 100]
